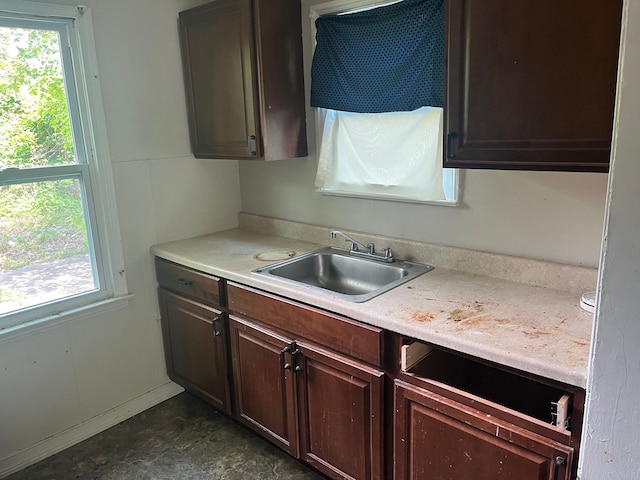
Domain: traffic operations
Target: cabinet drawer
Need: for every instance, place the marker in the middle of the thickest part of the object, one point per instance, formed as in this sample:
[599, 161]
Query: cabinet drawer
[551, 409]
[188, 282]
[332, 331]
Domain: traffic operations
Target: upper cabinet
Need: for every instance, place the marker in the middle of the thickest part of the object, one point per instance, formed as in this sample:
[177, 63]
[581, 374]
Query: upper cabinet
[531, 85]
[244, 79]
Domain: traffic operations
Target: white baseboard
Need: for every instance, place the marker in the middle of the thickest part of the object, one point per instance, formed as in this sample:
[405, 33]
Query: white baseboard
[56, 443]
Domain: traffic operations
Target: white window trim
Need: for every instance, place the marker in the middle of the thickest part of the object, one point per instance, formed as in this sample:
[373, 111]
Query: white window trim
[102, 187]
[342, 6]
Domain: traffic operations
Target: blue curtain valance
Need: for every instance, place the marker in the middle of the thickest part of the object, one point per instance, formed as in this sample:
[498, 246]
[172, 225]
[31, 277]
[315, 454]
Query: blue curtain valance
[388, 59]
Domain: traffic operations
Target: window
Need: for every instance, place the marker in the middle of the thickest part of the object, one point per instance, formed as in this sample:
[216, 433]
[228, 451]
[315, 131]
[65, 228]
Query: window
[59, 244]
[393, 155]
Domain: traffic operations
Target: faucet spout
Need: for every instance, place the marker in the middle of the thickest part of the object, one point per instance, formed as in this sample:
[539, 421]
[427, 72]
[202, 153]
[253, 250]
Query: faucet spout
[354, 243]
[368, 250]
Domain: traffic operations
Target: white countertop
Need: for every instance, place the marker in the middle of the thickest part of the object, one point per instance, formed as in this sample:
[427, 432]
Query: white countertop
[538, 330]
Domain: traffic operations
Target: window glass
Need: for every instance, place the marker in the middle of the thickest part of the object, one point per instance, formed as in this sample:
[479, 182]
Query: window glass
[44, 246]
[35, 129]
[50, 255]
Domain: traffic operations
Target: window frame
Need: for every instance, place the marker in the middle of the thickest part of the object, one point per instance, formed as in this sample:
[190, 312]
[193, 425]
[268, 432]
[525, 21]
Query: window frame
[93, 168]
[339, 7]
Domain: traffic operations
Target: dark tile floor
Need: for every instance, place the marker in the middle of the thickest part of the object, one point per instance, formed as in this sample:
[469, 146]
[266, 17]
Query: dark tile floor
[181, 438]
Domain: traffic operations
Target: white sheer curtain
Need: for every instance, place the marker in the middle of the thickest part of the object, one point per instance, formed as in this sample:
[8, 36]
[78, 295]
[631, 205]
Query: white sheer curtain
[396, 154]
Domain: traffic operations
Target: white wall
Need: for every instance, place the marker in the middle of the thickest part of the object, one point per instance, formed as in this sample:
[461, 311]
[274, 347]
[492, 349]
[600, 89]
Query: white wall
[58, 384]
[551, 216]
[610, 438]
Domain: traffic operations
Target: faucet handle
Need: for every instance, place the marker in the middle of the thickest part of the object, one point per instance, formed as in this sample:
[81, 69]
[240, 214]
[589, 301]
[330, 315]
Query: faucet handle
[387, 253]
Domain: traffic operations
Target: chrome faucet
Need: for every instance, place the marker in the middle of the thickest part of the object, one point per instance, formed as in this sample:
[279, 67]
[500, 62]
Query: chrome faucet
[370, 248]
[354, 243]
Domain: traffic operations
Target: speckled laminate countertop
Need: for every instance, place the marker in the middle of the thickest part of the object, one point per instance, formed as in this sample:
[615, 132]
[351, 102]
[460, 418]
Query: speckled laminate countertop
[534, 329]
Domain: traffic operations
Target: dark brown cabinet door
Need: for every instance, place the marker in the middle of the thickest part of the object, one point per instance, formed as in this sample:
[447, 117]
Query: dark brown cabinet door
[278, 34]
[194, 337]
[531, 85]
[341, 421]
[219, 66]
[264, 385]
[244, 79]
[437, 437]
[319, 406]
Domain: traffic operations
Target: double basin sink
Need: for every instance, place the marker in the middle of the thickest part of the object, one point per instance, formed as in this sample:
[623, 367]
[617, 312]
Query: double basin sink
[338, 273]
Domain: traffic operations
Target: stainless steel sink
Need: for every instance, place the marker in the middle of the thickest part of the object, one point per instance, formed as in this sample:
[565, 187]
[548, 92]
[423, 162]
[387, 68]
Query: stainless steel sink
[337, 273]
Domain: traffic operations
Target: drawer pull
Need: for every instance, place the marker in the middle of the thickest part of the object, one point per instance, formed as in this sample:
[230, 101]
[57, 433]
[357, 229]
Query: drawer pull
[184, 282]
[560, 462]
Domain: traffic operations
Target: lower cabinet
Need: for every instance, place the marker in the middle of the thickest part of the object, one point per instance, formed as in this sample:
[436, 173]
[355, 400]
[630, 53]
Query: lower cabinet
[317, 405]
[446, 428]
[439, 438]
[194, 331]
[195, 350]
[313, 383]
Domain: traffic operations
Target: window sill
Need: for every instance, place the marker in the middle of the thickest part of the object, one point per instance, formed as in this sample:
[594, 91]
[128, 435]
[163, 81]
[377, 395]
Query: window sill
[40, 324]
[335, 193]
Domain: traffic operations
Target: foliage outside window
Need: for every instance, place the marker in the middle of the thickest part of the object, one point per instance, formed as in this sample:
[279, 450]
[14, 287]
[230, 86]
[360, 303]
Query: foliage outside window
[53, 244]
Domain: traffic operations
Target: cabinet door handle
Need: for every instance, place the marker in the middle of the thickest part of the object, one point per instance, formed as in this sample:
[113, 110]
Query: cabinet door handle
[560, 462]
[251, 145]
[216, 332]
[283, 365]
[450, 137]
[294, 356]
[184, 281]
